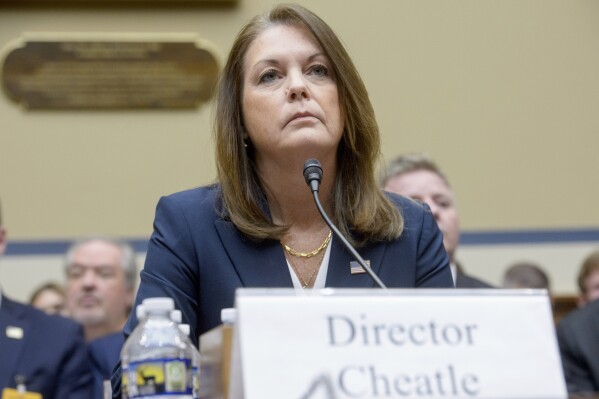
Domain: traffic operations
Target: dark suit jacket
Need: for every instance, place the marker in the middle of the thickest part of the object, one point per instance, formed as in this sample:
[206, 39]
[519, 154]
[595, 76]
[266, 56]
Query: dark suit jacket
[466, 281]
[199, 258]
[51, 355]
[578, 338]
[104, 354]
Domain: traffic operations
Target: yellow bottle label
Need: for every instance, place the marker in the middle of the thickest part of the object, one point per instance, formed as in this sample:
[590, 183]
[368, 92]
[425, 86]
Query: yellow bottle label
[158, 376]
[10, 393]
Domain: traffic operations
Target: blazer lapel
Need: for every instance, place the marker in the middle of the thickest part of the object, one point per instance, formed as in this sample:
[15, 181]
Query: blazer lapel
[339, 275]
[13, 329]
[258, 264]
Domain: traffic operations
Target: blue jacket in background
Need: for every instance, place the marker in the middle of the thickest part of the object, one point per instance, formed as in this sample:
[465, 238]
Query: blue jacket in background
[49, 352]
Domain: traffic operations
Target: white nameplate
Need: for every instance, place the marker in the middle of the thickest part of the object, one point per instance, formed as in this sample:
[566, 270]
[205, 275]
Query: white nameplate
[396, 344]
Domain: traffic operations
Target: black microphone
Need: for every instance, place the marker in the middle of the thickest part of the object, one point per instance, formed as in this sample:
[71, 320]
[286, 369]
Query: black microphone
[313, 176]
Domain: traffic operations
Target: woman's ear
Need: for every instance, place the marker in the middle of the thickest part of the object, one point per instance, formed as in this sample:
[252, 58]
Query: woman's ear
[245, 137]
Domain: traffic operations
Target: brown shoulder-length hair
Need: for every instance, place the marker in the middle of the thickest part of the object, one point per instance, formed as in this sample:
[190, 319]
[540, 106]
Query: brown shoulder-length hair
[589, 266]
[360, 206]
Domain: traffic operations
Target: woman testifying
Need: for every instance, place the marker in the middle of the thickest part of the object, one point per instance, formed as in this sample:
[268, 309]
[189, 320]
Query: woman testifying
[288, 92]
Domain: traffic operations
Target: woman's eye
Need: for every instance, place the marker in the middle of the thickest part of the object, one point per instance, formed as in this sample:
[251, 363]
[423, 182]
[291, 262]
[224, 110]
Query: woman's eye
[319, 70]
[268, 76]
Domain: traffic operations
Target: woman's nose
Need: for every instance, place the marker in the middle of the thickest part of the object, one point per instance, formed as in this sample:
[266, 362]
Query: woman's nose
[298, 88]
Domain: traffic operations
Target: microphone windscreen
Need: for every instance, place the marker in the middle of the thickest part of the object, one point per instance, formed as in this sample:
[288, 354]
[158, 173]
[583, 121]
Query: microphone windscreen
[312, 170]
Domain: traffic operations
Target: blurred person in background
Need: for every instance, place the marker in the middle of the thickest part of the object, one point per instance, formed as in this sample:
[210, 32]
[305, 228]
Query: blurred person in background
[522, 275]
[51, 298]
[578, 332]
[578, 338]
[418, 177]
[101, 274]
[40, 353]
[526, 275]
[588, 279]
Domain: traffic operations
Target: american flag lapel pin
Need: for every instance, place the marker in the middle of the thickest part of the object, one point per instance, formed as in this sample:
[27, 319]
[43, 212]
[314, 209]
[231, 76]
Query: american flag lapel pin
[356, 268]
[14, 332]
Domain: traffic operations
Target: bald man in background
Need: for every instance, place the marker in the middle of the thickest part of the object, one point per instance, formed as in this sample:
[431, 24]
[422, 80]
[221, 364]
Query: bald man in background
[418, 177]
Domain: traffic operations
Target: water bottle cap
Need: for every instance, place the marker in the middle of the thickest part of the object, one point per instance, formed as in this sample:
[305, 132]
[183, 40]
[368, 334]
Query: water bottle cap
[228, 315]
[185, 329]
[158, 304]
[176, 316]
[140, 312]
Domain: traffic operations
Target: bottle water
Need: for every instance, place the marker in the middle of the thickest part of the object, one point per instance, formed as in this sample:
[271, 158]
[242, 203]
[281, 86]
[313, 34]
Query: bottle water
[195, 362]
[176, 317]
[157, 356]
[140, 313]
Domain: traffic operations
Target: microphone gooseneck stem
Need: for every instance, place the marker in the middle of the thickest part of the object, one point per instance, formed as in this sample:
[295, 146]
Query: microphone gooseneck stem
[353, 251]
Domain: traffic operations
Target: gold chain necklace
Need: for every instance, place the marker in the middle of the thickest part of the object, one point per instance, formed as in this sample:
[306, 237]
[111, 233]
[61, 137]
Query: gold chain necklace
[293, 252]
[304, 283]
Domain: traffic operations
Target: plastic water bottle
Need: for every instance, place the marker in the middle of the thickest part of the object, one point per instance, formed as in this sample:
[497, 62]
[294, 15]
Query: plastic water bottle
[195, 362]
[176, 317]
[157, 357]
[140, 313]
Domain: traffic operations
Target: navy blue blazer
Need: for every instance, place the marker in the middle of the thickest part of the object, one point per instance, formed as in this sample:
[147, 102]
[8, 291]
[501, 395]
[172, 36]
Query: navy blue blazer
[578, 338]
[104, 354]
[199, 258]
[51, 354]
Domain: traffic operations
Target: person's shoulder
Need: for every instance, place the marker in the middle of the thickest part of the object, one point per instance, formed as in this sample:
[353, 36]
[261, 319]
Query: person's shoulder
[585, 315]
[116, 339]
[195, 195]
[194, 200]
[105, 351]
[55, 322]
[40, 319]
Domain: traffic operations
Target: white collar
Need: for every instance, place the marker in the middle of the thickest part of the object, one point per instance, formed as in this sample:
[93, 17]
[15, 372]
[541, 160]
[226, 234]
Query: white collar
[454, 272]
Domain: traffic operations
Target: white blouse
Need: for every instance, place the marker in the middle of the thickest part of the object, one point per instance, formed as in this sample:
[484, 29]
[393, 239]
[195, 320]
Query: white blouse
[321, 277]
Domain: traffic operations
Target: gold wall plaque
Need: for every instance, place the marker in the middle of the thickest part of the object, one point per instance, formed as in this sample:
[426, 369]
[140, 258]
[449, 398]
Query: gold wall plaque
[131, 72]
